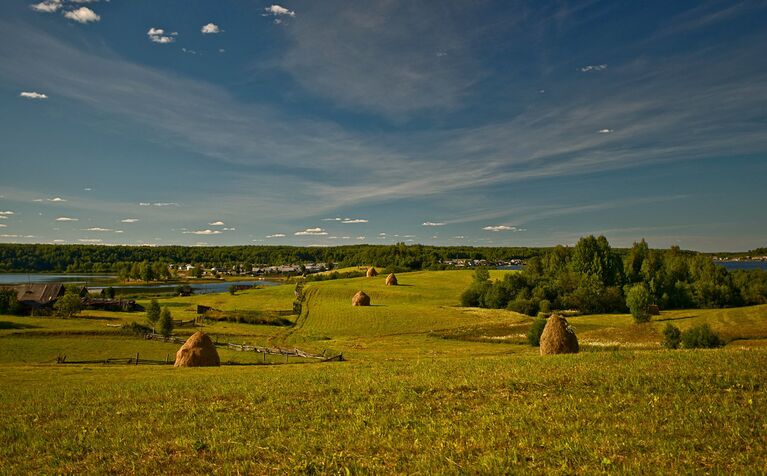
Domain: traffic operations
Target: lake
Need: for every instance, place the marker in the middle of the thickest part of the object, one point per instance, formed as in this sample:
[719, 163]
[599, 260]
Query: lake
[99, 281]
[733, 265]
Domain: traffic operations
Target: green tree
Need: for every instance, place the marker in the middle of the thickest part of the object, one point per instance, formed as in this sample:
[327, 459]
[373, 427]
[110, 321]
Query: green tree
[638, 302]
[153, 313]
[146, 271]
[8, 302]
[165, 322]
[109, 292]
[68, 305]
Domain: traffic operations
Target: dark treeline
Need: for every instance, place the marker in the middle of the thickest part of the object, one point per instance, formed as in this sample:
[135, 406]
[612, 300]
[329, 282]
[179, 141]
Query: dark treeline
[113, 259]
[593, 278]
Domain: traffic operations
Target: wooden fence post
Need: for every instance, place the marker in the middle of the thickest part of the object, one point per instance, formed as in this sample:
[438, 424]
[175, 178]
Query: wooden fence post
[136, 358]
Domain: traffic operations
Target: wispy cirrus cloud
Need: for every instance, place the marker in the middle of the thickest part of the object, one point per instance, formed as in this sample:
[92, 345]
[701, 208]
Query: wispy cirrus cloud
[159, 204]
[129, 220]
[67, 219]
[431, 223]
[593, 68]
[276, 235]
[98, 228]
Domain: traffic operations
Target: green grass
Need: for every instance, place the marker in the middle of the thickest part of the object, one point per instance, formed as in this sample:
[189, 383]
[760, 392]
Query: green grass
[429, 388]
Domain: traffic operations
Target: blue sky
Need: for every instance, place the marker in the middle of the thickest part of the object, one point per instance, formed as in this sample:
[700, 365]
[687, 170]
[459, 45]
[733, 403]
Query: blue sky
[330, 123]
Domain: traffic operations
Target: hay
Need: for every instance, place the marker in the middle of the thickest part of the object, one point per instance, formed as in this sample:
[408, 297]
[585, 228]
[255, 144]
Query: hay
[361, 299]
[391, 280]
[372, 273]
[197, 351]
[558, 337]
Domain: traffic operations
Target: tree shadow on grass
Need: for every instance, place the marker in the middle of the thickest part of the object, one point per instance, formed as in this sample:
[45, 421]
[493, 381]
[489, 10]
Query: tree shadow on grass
[679, 318]
[16, 325]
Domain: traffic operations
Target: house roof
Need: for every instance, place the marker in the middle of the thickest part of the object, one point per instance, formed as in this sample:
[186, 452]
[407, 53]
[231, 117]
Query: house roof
[38, 293]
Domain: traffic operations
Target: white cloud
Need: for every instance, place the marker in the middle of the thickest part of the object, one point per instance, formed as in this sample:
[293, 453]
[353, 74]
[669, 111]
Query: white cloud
[56, 199]
[3, 217]
[7, 212]
[67, 219]
[159, 204]
[129, 220]
[499, 228]
[278, 10]
[96, 228]
[604, 131]
[593, 67]
[59, 241]
[82, 15]
[33, 95]
[332, 219]
[203, 232]
[431, 223]
[229, 229]
[88, 189]
[276, 235]
[90, 240]
[459, 237]
[157, 35]
[354, 220]
[3, 225]
[119, 231]
[311, 232]
[360, 237]
[47, 6]
[216, 223]
[210, 28]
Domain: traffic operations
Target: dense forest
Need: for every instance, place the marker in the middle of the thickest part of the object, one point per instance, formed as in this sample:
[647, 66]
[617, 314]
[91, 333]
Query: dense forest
[112, 259]
[591, 277]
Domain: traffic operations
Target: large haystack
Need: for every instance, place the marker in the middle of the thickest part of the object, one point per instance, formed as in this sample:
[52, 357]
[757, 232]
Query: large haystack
[558, 337]
[361, 299]
[391, 280]
[372, 273]
[197, 351]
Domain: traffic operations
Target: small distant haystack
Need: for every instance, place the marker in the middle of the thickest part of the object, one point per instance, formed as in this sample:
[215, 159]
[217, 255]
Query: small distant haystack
[361, 299]
[372, 273]
[558, 337]
[654, 310]
[391, 280]
[197, 351]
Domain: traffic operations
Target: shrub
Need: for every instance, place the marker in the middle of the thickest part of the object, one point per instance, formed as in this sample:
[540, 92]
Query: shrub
[672, 336]
[524, 306]
[638, 302]
[68, 305]
[8, 302]
[165, 322]
[153, 312]
[534, 335]
[701, 337]
[134, 328]
[544, 306]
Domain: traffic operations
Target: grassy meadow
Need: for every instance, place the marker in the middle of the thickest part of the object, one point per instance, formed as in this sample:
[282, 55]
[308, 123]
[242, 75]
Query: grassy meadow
[428, 387]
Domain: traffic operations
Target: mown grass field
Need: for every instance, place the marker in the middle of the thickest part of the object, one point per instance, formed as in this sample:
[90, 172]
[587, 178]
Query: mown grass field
[428, 388]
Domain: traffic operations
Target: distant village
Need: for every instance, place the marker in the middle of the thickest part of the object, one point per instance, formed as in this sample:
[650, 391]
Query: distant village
[739, 258]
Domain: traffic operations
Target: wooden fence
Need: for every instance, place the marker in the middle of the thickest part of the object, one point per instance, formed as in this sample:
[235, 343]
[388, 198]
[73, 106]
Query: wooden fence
[254, 348]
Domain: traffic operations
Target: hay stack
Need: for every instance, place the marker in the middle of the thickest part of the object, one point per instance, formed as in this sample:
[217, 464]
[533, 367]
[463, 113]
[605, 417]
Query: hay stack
[197, 351]
[558, 337]
[361, 299]
[391, 280]
[372, 273]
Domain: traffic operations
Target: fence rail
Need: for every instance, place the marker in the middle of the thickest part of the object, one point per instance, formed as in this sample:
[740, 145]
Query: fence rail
[254, 348]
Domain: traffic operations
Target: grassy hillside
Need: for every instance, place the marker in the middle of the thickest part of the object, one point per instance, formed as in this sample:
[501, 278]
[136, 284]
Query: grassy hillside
[429, 388]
